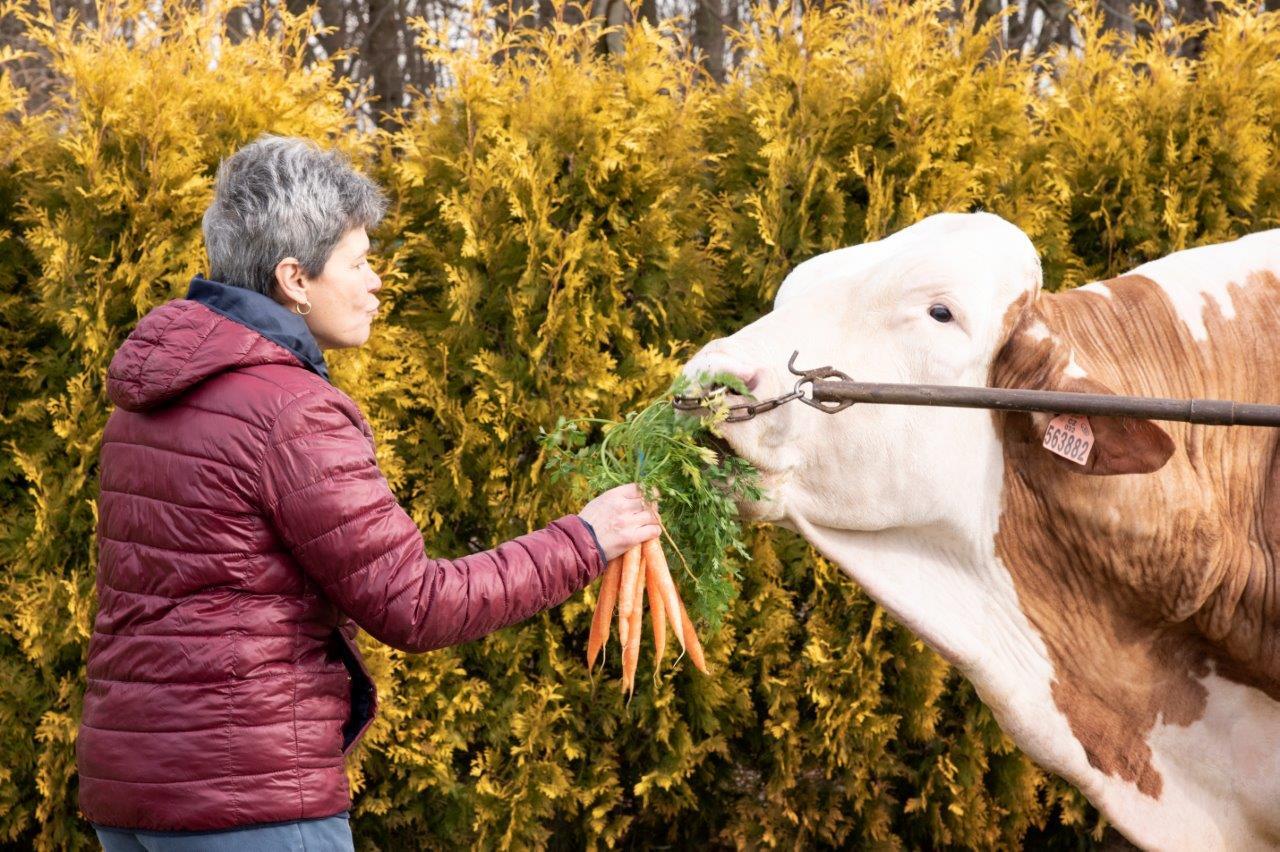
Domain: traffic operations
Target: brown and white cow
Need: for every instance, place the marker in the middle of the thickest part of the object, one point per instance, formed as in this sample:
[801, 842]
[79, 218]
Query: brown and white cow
[1121, 619]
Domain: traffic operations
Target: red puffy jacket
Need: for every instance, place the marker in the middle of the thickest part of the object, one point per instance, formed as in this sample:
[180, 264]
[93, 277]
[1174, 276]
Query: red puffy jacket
[244, 525]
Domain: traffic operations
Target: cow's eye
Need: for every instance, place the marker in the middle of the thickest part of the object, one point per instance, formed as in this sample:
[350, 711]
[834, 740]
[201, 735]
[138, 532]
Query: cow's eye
[941, 313]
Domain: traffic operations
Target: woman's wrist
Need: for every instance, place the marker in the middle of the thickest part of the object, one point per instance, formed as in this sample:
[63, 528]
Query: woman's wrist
[604, 559]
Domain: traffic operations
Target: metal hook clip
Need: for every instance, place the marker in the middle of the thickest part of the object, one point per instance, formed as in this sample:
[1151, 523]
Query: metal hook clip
[815, 375]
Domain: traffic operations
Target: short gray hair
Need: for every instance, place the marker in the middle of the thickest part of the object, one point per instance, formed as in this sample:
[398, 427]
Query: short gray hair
[281, 197]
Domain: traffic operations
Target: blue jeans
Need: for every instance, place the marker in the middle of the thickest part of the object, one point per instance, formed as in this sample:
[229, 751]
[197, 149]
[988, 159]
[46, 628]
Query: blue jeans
[331, 834]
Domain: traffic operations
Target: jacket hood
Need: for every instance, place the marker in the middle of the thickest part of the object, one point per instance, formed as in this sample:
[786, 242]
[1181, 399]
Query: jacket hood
[216, 328]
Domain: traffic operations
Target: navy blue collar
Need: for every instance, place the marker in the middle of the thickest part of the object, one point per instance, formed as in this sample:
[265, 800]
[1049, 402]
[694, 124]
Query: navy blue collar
[264, 315]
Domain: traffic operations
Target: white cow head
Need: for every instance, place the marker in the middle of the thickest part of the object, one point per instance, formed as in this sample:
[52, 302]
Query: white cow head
[926, 305]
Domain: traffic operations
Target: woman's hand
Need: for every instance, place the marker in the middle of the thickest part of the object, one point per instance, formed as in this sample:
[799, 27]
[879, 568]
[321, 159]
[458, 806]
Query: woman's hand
[621, 519]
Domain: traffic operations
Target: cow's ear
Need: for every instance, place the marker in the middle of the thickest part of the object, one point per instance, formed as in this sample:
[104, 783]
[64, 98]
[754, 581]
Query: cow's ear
[1120, 444]
[1036, 358]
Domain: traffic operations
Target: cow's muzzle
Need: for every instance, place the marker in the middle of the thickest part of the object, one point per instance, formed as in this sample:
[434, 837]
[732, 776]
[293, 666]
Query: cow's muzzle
[708, 401]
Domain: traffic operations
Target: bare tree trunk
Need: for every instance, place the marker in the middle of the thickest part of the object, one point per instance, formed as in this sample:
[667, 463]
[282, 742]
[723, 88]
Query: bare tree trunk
[988, 9]
[1056, 27]
[546, 13]
[733, 20]
[510, 14]
[1117, 16]
[649, 11]
[573, 13]
[414, 69]
[1192, 12]
[1020, 26]
[32, 73]
[87, 11]
[382, 54]
[299, 7]
[333, 13]
[171, 12]
[240, 24]
[615, 14]
[708, 35]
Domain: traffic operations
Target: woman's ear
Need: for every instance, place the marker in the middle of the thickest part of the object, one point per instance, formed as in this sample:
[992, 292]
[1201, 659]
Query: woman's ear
[1034, 357]
[291, 285]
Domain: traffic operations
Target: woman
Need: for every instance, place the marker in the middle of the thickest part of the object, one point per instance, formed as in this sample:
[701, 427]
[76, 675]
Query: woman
[245, 532]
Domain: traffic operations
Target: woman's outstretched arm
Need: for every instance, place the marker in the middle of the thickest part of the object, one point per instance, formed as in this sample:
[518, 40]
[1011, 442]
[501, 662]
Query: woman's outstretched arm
[333, 510]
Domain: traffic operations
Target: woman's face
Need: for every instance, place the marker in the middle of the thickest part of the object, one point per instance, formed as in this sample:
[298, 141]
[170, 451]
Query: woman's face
[342, 298]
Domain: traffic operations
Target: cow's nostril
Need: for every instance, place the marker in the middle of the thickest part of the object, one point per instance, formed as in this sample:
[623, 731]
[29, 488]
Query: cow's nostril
[750, 380]
[711, 364]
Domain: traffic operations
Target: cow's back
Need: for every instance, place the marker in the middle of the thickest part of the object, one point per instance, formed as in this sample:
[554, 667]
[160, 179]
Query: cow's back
[1205, 281]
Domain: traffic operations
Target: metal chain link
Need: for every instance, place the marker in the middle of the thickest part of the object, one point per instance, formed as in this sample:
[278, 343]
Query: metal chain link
[748, 410]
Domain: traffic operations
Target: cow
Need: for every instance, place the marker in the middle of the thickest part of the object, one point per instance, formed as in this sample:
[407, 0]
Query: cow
[1120, 617]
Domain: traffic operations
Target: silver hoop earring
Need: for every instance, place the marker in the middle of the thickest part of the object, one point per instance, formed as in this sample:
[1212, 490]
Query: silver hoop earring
[298, 308]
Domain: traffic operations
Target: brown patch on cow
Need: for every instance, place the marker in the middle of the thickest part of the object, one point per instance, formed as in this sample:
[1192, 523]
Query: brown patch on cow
[1142, 585]
[1122, 445]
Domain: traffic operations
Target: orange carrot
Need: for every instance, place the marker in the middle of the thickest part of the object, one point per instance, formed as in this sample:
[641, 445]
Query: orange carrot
[657, 560]
[599, 636]
[657, 611]
[626, 593]
[631, 651]
[627, 580]
[692, 645]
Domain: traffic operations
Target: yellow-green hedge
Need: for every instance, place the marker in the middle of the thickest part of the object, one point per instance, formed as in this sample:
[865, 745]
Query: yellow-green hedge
[565, 229]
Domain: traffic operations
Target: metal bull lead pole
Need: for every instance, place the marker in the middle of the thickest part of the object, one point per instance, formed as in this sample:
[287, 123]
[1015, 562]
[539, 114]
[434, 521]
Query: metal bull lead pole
[1209, 411]
[832, 391]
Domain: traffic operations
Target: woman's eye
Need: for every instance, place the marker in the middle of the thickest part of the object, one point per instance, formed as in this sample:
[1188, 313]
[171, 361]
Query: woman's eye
[941, 313]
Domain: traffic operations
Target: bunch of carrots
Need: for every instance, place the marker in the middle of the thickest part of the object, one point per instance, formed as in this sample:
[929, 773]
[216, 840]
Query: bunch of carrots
[627, 578]
[666, 453]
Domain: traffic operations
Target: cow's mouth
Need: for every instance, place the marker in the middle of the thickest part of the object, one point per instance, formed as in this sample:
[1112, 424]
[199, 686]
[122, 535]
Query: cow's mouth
[719, 445]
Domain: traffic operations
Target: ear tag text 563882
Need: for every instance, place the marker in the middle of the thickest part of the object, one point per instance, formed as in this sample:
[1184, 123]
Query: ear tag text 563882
[1070, 436]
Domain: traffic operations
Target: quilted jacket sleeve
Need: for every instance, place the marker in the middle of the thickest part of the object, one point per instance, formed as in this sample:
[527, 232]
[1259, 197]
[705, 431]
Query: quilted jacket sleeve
[332, 507]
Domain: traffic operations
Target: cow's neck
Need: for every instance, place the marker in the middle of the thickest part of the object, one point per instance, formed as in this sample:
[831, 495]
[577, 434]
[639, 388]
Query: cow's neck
[1085, 689]
[946, 584]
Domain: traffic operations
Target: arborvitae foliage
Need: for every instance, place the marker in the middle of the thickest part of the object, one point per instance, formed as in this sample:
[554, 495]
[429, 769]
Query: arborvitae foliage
[566, 228]
[854, 122]
[1153, 153]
